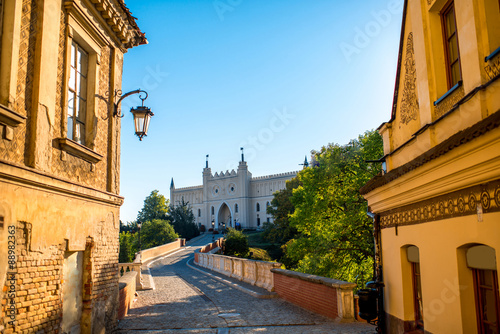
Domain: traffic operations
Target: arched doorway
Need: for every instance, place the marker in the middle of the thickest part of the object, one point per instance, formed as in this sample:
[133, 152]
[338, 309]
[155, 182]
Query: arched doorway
[223, 217]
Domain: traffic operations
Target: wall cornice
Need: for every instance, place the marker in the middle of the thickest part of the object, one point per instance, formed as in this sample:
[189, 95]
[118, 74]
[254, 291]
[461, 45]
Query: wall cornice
[484, 198]
[35, 179]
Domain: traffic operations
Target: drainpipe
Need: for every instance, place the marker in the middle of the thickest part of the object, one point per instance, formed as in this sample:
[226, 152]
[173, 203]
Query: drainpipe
[377, 270]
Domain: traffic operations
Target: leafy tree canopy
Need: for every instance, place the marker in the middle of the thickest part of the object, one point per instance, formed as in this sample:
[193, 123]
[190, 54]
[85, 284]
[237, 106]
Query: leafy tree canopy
[157, 232]
[183, 220]
[330, 214]
[155, 207]
[280, 231]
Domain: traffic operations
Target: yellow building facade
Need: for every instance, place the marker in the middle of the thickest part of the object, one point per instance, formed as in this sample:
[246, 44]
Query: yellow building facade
[437, 202]
[60, 72]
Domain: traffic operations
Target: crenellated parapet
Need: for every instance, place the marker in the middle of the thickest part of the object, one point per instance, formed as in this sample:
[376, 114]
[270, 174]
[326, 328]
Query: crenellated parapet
[231, 173]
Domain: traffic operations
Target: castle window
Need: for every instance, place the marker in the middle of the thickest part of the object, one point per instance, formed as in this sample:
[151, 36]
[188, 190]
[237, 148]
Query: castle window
[236, 208]
[213, 210]
[258, 207]
[452, 53]
[258, 221]
[199, 212]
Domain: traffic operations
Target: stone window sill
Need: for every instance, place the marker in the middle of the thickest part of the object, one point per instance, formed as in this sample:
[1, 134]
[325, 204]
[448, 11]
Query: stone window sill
[78, 150]
[10, 117]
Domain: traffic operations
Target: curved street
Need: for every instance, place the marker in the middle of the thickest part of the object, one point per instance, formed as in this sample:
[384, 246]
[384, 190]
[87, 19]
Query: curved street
[186, 300]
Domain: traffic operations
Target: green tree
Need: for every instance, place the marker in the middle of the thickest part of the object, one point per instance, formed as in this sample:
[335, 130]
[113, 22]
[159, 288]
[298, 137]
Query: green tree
[236, 243]
[183, 220]
[155, 207]
[280, 231]
[157, 232]
[330, 214]
[126, 254]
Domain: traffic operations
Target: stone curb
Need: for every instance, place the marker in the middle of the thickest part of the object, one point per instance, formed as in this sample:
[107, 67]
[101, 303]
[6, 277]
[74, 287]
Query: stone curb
[234, 285]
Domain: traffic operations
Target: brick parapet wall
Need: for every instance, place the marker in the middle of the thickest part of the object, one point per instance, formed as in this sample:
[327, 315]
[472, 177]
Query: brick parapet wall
[329, 297]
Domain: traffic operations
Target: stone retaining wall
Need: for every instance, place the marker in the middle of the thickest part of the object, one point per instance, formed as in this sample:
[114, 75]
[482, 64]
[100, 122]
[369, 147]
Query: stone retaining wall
[329, 297]
[150, 253]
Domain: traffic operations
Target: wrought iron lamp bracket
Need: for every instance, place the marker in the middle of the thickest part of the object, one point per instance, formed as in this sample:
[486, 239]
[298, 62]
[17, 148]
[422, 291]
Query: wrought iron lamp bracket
[117, 112]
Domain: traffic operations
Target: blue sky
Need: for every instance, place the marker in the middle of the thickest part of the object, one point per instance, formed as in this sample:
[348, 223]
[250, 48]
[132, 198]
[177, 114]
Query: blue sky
[280, 78]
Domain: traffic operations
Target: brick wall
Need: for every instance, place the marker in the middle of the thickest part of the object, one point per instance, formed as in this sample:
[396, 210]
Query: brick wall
[40, 278]
[312, 296]
[38, 290]
[329, 297]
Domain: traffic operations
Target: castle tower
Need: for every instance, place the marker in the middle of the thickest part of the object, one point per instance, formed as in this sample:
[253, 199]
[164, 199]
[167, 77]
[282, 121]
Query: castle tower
[207, 175]
[244, 177]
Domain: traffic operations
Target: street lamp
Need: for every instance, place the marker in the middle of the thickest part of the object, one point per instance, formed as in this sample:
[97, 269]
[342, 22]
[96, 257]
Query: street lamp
[139, 225]
[142, 114]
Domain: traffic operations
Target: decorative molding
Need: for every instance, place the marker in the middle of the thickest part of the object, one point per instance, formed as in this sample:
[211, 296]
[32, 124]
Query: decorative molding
[79, 150]
[449, 102]
[465, 202]
[493, 67]
[119, 20]
[409, 101]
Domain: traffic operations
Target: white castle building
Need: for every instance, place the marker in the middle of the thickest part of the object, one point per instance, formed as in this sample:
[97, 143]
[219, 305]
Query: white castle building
[231, 199]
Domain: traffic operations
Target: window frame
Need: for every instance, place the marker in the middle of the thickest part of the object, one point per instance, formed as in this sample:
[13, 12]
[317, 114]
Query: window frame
[478, 300]
[81, 30]
[416, 289]
[76, 91]
[450, 6]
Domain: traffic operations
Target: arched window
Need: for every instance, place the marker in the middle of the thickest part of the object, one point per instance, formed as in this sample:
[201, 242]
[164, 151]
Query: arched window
[213, 210]
[199, 212]
[236, 208]
[258, 207]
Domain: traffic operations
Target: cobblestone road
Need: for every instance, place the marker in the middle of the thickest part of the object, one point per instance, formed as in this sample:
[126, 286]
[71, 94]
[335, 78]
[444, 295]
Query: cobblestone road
[187, 301]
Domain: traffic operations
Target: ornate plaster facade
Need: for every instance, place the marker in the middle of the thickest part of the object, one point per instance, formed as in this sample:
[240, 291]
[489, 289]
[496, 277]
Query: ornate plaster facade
[232, 198]
[437, 203]
[59, 187]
